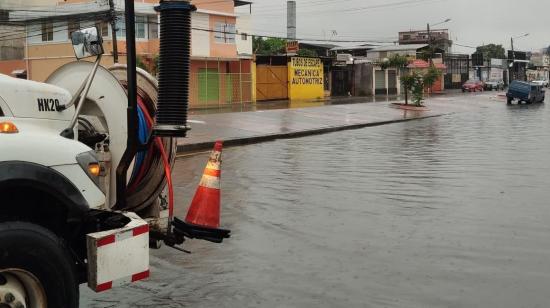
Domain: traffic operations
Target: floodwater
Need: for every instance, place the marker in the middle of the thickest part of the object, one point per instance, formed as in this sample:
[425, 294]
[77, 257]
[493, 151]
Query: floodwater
[451, 211]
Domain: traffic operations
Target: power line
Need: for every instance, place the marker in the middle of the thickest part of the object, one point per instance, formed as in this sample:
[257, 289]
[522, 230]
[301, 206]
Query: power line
[106, 16]
[362, 9]
[457, 44]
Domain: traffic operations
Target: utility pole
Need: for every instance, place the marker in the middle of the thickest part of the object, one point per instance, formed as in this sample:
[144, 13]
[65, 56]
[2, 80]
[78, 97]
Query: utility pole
[430, 37]
[112, 13]
[291, 19]
[513, 65]
[430, 45]
[513, 60]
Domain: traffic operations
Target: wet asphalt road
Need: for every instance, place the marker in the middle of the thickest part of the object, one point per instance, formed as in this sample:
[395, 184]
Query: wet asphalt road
[442, 212]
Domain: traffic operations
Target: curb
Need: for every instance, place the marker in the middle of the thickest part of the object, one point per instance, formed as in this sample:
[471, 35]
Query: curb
[196, 147]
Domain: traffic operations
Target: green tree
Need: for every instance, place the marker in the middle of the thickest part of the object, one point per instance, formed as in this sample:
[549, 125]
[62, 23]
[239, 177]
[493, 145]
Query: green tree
[269, 46]
[407, 81]
[307, 53]
[492, 51]
[417, 89]
[141, 64]
[398, 61]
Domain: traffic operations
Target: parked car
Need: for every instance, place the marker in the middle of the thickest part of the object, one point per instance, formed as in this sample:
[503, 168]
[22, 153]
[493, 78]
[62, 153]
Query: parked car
[472, 86]
[541, 82]
[524, 91]
[494, 84]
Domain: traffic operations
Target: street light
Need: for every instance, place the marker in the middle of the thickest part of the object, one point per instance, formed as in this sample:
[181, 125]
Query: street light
[430, 36]
[524, 35]
[439, 23]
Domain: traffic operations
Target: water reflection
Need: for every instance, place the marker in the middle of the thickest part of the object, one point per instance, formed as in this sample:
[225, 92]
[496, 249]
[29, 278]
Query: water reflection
[442, 212]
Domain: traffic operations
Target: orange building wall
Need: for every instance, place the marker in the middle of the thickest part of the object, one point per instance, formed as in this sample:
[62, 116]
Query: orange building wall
[42, 63]
[8, 66]
[220, 49]
[41, 69]
[225, 6]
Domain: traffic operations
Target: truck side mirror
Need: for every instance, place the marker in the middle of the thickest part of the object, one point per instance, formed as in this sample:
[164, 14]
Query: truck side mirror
[87, 43]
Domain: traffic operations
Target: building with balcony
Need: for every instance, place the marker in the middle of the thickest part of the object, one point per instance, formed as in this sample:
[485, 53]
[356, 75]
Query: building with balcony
[221, 45]
[438, 38]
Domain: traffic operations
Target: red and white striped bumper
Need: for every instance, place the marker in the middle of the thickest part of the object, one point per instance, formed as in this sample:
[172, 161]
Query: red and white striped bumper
[120, 256]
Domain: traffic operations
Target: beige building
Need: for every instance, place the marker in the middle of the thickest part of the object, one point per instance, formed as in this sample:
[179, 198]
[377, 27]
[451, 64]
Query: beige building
[221, 63]
[48, 32]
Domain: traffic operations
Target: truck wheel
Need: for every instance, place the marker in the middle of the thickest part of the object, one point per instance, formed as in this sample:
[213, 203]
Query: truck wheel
[36, 269]
[509, 100]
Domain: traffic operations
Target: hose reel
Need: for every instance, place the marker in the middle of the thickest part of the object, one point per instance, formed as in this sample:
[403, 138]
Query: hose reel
[147, 177]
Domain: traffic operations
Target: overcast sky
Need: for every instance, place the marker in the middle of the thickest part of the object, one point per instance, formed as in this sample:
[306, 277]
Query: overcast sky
[474, 22]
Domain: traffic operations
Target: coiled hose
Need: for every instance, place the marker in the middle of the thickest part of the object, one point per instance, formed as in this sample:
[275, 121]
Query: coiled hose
[151, 171]
[143, 158]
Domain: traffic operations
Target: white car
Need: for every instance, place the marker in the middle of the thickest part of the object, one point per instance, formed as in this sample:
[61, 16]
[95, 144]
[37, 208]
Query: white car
[541, 82]
[494, 84]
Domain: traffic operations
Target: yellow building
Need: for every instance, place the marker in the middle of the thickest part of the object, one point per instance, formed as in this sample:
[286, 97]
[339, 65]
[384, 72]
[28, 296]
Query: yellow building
[305, 78]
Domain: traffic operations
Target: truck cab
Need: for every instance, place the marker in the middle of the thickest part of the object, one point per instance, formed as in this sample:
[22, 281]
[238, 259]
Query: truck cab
[85, 170]
[56, 225]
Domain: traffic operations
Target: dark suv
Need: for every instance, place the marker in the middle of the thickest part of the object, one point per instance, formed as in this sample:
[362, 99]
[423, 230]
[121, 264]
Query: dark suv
[525, 91]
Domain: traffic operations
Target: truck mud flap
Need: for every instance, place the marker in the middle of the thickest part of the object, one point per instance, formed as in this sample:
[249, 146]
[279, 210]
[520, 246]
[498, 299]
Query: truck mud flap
[199, 232]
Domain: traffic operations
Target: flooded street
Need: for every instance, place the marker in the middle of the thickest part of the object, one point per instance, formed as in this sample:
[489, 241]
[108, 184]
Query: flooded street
[449, 211]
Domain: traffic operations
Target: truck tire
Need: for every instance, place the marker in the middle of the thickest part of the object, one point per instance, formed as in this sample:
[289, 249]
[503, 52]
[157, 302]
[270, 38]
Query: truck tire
[509, 100]
[40, 262]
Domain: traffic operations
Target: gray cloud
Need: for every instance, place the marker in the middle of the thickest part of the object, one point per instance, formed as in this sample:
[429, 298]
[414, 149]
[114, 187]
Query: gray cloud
[473, 22]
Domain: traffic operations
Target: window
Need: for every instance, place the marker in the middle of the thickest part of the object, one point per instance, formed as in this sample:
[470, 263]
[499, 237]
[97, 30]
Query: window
[47, 31]
[230, 31]
[72, 26]
[4, 15]
[153, 28]
[120, 28]
[140, 26]
[224, 33]
[140, 29]
[244, 36]
[103, 28]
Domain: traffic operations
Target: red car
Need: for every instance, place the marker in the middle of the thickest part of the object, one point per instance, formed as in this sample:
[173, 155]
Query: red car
[473, 86]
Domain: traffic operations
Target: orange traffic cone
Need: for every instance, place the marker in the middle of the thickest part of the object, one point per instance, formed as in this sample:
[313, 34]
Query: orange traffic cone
[203, 216]
[205, 207]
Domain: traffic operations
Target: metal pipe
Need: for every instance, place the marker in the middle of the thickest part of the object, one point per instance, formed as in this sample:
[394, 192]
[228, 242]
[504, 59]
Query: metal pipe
[113, 30]
[85, 91]
[131, 114]
[78, 92]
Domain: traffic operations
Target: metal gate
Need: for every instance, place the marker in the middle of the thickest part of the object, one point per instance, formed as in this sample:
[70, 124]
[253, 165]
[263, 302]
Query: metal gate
[392, 82]
[457, 73]
[342, 80]
[271, 82]
[380, 82]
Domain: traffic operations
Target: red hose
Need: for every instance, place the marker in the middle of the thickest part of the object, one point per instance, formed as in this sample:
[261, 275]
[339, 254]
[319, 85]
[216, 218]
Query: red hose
[165, 161]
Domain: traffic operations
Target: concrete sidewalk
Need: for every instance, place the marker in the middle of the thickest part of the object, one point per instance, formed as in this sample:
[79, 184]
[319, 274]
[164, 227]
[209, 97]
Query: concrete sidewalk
[259, 126]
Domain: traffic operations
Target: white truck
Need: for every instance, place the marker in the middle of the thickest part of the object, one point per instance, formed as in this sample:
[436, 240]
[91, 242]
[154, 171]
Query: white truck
[84, 165]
